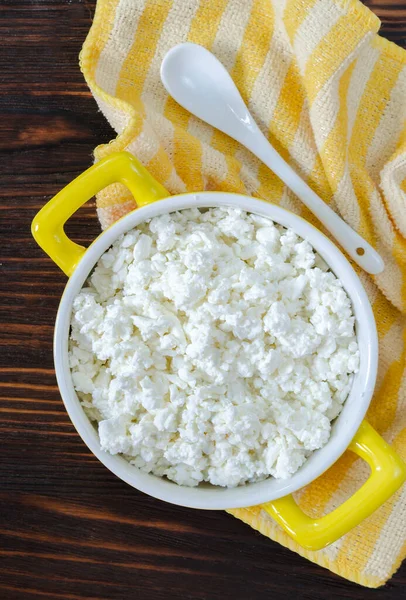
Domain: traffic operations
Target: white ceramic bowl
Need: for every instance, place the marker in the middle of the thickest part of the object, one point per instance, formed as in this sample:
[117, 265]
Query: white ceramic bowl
[344, 428]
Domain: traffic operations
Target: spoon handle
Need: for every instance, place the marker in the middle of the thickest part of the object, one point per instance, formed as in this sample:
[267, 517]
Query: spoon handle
[360, 251]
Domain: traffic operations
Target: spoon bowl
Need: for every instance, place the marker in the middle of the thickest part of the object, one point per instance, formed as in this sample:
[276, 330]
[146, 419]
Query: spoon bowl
[201, 84]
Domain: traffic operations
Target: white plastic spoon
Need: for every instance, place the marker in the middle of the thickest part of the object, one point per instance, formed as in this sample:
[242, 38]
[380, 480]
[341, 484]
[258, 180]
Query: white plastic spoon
[198, 81]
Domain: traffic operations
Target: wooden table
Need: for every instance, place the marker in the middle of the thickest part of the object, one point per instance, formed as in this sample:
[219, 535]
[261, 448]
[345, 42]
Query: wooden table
[69, 528]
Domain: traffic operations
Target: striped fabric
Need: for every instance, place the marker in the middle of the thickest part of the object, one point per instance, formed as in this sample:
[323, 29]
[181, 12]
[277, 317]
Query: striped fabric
[331, 96]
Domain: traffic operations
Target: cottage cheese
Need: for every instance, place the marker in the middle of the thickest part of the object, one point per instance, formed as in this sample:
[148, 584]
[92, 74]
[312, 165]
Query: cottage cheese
[213, 346]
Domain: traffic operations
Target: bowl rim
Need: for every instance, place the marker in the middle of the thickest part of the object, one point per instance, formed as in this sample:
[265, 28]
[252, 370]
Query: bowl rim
[345, 426]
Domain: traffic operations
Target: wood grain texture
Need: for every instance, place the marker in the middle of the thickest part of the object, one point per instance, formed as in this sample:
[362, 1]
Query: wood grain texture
[69, 529]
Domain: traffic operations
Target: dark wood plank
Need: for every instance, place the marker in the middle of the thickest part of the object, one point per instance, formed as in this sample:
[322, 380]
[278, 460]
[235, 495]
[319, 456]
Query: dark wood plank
[68, 528]
[393, 17]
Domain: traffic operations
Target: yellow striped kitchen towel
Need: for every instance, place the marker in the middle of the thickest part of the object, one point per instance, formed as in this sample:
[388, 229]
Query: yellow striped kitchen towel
[331, 96]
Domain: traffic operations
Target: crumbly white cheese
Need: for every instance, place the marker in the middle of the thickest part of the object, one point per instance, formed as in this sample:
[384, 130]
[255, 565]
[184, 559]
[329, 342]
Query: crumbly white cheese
[213, 346]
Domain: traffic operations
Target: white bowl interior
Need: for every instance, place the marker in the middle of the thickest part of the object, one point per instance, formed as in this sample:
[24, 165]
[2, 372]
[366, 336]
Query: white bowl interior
[345, 426]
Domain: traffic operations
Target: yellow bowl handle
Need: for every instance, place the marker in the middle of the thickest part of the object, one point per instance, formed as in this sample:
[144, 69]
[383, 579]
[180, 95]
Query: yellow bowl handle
[388, 473]
[47, 226]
